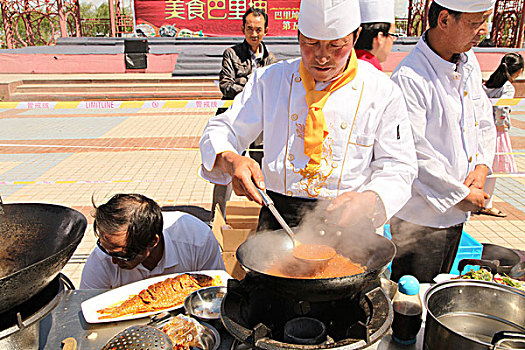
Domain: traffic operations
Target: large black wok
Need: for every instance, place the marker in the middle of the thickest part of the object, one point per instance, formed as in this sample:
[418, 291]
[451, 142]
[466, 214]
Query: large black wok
[365, 247]
[36, 241]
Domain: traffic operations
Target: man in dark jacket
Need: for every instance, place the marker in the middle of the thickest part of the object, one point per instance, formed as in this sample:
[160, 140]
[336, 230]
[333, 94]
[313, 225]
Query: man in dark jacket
[238, 63]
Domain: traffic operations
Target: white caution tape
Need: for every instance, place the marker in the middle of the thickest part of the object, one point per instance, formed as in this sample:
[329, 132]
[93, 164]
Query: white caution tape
[188, 104]
[135, 148]
[184, 104]
[508, 101]
[507, 175]
[69, 182]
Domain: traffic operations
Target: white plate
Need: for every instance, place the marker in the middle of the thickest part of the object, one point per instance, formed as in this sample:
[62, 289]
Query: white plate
[120, 294]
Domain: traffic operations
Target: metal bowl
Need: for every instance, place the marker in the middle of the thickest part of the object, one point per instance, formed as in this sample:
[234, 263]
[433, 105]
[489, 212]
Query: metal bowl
[210, 338]
[205, 303]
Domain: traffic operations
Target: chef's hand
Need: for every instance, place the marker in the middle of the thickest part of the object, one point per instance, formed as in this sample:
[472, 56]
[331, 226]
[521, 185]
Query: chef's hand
[245, 173]
[474, 201]
[476, 178]
[354, 208]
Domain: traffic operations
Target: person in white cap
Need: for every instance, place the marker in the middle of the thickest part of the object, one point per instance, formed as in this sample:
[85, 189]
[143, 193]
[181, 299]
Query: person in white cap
[454, 133]
[378, 31]
[326, 134]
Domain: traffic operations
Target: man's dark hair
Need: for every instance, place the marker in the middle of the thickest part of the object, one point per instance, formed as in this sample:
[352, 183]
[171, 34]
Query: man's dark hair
[256, 12]
[435, 10]
[510, 64]
[141, 215]
[368, 32]
[487, 42]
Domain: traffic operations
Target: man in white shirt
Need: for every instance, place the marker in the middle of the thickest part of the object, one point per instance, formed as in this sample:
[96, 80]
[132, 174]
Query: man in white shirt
[454, 133]
[136, 240]
[327, 135]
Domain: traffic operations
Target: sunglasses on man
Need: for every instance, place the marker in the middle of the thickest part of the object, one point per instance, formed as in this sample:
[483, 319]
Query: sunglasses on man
[394, 36]
[117, 256]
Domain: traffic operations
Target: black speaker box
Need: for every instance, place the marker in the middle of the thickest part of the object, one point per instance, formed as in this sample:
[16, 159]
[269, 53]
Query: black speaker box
[136, 45]
[136, 60]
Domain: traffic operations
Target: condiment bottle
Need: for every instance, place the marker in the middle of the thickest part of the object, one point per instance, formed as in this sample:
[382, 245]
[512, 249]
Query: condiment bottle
[407, 311]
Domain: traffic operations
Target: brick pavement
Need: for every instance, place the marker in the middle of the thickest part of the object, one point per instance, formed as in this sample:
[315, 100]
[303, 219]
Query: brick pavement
[69, 156]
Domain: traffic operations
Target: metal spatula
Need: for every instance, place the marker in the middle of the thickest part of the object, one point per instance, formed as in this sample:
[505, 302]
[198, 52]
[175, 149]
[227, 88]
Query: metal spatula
[314, 262]
[270, 205]
[141, 337]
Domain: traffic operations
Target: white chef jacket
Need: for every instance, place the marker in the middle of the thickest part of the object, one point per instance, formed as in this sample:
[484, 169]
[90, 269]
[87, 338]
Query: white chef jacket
[189, 245]
[453, 129]
[369, 145]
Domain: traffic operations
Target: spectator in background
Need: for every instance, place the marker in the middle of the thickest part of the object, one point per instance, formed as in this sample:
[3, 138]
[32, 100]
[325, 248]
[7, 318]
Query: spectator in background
[454, 134]
[238, 63]
[378, 26]
[136, 240]
[499, 85]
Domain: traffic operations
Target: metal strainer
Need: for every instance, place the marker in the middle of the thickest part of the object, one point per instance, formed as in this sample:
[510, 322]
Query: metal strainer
[141, 337]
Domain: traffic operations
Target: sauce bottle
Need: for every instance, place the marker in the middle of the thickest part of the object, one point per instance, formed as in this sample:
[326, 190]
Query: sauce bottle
[407, 311]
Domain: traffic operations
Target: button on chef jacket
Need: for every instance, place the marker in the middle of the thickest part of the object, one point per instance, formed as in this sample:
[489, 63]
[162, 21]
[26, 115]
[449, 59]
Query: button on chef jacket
[453, 129]
[369, 145]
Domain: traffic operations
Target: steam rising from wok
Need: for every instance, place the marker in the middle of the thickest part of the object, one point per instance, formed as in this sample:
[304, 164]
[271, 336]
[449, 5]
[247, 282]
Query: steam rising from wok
[268, 247]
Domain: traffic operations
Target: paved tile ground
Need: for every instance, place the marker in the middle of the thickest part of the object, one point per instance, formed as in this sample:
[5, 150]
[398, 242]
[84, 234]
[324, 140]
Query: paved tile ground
[69, 156]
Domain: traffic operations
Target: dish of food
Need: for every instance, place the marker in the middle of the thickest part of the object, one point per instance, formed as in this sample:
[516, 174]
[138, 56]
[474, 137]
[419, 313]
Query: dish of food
[186, 333]
[147, 297]
[485, 275]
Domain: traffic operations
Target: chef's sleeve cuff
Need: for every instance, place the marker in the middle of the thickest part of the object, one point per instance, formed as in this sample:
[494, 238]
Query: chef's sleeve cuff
[214, 176]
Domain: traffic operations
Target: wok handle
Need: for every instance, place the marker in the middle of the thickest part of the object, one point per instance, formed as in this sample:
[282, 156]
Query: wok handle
[491, 264]
[504, 336]
[67, 282]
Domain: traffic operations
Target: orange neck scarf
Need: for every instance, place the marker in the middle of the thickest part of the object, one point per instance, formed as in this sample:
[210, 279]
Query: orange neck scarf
[315, 130]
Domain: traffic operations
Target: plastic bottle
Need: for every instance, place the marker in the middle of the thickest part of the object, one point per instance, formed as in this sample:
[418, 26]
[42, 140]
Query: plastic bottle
[407, 311]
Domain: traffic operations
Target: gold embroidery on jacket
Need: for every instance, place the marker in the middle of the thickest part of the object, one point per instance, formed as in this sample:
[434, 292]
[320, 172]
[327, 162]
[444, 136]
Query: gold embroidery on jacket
[314, 180]
[299, 130]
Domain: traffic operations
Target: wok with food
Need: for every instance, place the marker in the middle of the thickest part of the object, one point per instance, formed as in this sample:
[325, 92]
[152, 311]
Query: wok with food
[364, 254]
[159, 296]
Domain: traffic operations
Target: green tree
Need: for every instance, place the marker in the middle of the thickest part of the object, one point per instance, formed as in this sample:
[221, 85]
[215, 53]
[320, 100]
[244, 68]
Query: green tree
[95, 20]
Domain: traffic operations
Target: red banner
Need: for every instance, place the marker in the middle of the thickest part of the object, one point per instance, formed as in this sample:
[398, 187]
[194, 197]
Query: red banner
[187, 18]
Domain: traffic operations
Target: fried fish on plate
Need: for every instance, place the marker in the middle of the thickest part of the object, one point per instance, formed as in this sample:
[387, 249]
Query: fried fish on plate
[159, 296]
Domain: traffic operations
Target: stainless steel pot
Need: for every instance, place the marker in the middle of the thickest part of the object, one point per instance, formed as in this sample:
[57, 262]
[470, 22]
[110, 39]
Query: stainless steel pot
[470, 314]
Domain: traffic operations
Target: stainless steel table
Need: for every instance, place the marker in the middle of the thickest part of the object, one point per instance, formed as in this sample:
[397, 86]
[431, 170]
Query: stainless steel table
[66, 320]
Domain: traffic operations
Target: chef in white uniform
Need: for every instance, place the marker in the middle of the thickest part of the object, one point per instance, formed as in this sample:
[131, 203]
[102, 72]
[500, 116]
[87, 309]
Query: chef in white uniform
[454, 134]
[378, 31]
[334, 128]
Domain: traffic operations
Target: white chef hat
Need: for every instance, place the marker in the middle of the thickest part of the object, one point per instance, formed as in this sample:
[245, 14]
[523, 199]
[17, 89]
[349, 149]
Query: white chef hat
[329, 19]
[373, 11]
[469, 6]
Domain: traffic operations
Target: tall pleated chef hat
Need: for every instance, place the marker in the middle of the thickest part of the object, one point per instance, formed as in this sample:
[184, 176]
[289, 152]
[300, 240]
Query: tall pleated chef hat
[329, 19]
[468, 6]
[374, 11]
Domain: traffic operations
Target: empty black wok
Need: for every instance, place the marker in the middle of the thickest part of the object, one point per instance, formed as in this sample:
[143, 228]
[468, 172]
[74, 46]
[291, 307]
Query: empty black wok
[364, 247]
[36, 241]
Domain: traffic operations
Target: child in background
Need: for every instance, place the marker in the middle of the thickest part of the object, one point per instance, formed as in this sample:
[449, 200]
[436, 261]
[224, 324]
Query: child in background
[499, 86]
